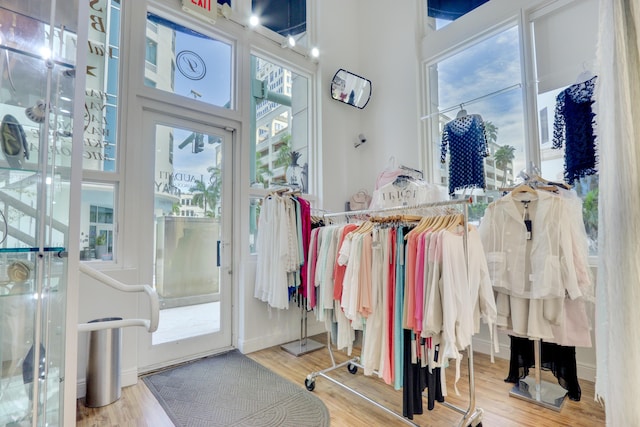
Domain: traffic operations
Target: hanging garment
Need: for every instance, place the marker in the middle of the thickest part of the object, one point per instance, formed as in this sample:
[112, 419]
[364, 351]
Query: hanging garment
[273, 253]
[573, 128]
[407, 191]
[372, 345]
[560, 360]
[465, 139]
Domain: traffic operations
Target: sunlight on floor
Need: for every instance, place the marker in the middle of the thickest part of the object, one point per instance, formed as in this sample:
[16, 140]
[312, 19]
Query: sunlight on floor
[185, 322]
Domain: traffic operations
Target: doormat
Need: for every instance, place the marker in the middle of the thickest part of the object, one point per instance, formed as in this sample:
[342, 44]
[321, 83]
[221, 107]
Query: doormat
[232, 390]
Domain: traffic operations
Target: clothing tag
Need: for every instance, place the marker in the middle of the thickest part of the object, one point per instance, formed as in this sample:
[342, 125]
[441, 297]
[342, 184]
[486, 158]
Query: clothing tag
[527, 223]
[531, 277]
[414, 356]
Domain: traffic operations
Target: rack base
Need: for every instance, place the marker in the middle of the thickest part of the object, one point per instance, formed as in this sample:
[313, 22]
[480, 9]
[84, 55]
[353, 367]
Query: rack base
[300, 347]
[547, 394]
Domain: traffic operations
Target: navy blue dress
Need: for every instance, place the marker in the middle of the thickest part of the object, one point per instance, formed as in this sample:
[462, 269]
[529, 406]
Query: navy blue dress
[467, 143]
[573, 128]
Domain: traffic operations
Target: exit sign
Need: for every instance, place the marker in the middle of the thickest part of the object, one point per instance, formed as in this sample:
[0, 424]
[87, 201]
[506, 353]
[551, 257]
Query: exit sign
[203, 9]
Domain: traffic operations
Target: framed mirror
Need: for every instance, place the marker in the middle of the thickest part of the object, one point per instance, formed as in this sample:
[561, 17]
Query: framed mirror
[350, 88]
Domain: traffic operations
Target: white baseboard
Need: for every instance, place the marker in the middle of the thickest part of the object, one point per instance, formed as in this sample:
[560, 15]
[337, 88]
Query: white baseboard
[585, 371]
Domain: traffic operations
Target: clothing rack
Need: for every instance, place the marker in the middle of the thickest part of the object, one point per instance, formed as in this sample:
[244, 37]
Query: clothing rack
[472, 416]
[305, 344]
[543, 393]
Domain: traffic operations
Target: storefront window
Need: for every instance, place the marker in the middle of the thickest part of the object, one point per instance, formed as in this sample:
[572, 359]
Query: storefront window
[280, 136]
[281, 156]
[561, 66]
[97, 233]
[483, 79]
[182, 61]
[285, 17]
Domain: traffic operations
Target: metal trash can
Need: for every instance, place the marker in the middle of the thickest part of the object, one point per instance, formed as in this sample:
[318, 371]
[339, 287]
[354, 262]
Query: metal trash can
[103, 367]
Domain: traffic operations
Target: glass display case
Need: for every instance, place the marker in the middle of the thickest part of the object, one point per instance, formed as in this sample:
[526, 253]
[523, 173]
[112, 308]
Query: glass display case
[37, 56]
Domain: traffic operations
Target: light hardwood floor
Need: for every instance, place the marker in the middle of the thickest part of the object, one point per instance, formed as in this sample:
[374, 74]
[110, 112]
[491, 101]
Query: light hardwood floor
[139, 408]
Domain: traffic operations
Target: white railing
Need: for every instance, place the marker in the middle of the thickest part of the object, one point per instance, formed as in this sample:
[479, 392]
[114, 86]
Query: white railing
[150, 324]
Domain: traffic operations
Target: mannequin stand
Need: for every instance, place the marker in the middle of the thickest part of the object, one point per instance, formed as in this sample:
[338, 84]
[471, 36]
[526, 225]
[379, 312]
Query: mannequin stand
[535, 390]
[304, 345]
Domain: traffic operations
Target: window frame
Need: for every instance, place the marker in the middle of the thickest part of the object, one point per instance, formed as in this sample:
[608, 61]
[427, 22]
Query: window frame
[477, 25]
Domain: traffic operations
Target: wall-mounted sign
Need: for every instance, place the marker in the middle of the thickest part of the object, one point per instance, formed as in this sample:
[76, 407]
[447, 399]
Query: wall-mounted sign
[203, 9]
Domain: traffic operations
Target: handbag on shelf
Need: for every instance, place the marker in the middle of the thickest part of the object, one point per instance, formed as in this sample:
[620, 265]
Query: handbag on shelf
[360, 201]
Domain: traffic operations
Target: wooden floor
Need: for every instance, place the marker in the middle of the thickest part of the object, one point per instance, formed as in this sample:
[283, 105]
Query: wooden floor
[139, 408]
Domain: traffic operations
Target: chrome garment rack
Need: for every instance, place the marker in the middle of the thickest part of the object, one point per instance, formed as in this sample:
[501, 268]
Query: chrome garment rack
[472, 416]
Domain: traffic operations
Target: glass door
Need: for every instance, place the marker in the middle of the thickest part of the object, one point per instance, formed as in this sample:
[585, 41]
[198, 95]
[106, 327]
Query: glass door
[192, 240]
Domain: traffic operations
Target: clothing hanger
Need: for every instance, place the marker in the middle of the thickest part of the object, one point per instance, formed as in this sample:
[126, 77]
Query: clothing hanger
[585, 75]
[462, 112]
[419, 173]
[456, 221]
[402, 180]
[522, 188]
[391, 164]
[539, 179]
[422, 225]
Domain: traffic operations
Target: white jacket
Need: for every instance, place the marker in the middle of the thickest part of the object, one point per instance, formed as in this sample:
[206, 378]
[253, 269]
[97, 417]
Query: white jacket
[540, 268]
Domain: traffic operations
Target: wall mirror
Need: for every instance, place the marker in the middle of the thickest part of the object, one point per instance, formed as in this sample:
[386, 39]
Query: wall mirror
[350, 89]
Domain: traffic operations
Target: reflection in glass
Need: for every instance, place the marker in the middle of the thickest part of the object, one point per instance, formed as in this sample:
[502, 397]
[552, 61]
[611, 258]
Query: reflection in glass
[281, 155]
[187, 63]
[97, 234]
[285, 17]
[445, 11]
[102, 86]
[188, 207]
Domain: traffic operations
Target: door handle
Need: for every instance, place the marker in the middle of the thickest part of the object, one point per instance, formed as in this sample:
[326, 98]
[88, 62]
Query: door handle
[219, 244]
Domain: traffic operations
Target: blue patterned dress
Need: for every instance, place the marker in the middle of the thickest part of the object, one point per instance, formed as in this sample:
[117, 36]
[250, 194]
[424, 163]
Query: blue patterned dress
[467, 144]
[573, 128]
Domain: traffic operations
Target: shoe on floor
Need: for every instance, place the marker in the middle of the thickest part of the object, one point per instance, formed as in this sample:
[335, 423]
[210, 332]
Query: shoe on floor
[13, 141]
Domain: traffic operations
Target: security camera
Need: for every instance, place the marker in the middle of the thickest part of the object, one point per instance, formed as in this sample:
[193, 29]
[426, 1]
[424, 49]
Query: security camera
[361, 140]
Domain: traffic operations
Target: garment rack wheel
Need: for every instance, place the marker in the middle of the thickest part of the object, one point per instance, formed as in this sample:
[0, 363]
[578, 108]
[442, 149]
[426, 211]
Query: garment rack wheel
[310, 383]
[353, 369]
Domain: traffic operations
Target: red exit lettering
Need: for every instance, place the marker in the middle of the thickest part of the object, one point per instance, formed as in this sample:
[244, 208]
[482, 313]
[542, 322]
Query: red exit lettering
[205, 4]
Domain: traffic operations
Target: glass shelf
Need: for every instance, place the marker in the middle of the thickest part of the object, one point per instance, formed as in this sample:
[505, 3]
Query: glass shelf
[61, 251]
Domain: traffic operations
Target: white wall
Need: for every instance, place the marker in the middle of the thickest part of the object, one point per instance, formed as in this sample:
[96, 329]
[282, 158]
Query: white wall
[354, 35]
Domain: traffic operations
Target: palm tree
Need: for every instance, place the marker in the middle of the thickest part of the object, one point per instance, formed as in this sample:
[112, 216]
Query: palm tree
[491, 132]
[284, 153]
[503, 158]
[208, 195]
[263, 173]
